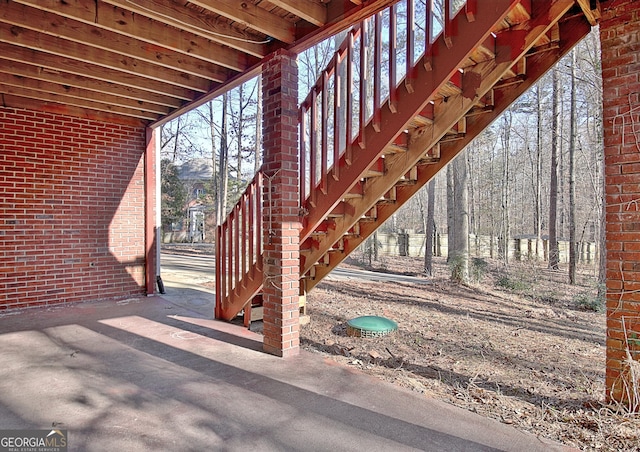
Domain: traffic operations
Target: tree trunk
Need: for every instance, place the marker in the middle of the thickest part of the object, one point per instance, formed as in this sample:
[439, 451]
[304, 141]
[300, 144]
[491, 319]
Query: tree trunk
[451, 224]
[572, 175]
[473, 219]
[430, 230]
[224, 162]
[554, 255]
[505, 226]
[537, 222]
[176, 142]
[215, 162]
[459, 253]
[239, 133]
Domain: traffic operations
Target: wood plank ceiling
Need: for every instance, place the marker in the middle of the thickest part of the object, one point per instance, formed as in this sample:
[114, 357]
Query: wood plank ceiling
[148, 60]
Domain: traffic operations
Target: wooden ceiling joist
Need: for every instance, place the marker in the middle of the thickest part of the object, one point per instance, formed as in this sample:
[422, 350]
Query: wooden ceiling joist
[136, 26]
[56, 64]
[81, 93]
[62, 27]
[310, 11]
[217, 30]
[70, 100]
[151, 60]
[250, 15]
[35, 72]
[80, 52]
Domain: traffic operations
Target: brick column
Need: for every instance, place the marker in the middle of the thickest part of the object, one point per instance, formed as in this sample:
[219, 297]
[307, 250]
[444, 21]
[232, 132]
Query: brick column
[150, 229]
[620, 37]
[281, 220]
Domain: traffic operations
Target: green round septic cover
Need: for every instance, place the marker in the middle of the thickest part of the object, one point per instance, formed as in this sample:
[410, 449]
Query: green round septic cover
[370, 326]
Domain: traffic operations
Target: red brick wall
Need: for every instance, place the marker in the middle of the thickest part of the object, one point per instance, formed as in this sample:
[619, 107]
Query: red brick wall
[620, 36]
[71, 209]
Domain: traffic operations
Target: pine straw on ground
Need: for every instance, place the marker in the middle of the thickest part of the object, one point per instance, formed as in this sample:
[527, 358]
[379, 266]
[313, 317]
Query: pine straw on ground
[517, 346]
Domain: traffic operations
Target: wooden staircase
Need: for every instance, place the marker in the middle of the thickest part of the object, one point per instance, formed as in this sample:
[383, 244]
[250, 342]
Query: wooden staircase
[395, 133]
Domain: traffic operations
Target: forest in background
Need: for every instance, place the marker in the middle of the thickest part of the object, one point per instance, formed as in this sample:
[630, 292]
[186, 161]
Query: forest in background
[536, 172]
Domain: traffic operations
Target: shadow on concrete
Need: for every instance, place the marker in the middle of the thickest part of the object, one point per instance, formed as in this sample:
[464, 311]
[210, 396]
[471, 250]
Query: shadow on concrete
[147, 375]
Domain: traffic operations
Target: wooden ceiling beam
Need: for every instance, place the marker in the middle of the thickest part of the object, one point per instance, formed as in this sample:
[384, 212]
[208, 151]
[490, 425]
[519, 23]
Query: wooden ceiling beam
[183, 18]
[310, 11]
[592, 15]
[35, 72]
[80, 94]
[82, 69]
[17, 102]
[82, 103]
[145, 29]
[252, 16]
[62, 27]
[68, 49]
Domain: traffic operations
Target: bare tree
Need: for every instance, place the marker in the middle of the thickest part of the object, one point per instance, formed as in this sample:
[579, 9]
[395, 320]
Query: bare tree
[505, 226]
[537, 191]
[451, 224]
[554, 254]
[430, 227]
[176, 142]
[572, 176]
[459, 216]
[223, 177]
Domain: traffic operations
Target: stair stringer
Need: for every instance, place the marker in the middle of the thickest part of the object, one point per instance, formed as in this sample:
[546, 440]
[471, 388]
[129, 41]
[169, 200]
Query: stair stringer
[539, 62]
[370, 146]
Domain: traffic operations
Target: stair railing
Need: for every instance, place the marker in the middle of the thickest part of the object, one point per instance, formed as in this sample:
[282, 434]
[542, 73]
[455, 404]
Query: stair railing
[239, 245]
[362, 78]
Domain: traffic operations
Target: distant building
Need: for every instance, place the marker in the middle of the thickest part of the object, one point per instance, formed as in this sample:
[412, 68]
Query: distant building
[196, 174]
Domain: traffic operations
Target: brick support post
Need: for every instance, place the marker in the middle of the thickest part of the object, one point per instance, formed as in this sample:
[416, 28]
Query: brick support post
[620, 38]
[151, 241]
[281, 220]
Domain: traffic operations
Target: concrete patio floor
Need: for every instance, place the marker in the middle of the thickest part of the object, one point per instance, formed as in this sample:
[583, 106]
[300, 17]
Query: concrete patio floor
[148, 374]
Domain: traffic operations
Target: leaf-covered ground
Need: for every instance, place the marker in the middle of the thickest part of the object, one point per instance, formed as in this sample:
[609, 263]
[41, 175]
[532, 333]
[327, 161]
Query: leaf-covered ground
[520, 345]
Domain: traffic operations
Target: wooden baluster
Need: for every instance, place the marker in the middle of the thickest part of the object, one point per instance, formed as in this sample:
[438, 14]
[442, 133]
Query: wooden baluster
[411, 37]
[324, 145]
[229, 272]
[218, 306]
[348, 157]
[243, 241]
[337, 116]
[428, 30]
[223, 264]
[448, 24]
[393, 54]
[250, 220]
[363, 84]
[313, 144]
[236, 243]
[303, 156]
[258, 219]
[471, 10]
[377, 69]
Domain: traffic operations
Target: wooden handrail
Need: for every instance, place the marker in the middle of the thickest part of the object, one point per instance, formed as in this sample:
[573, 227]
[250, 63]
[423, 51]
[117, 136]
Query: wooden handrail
[372, 39]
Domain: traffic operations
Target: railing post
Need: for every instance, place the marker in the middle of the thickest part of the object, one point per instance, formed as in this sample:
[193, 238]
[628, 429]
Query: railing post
[219, 272]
